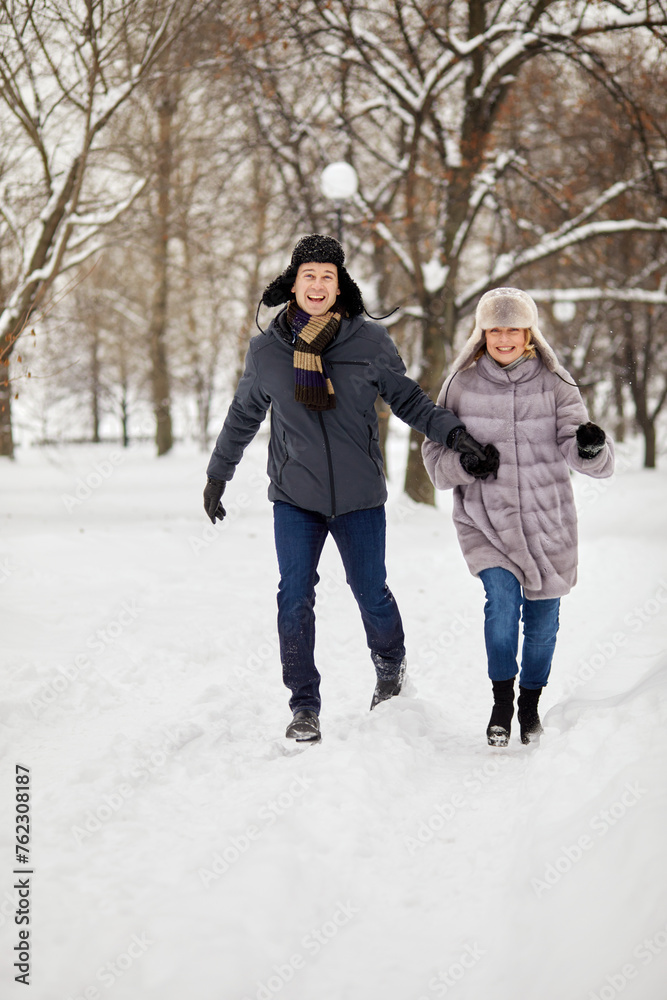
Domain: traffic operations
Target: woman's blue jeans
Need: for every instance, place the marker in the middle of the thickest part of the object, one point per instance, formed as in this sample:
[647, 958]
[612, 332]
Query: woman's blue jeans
[505, 606]
[360, 538]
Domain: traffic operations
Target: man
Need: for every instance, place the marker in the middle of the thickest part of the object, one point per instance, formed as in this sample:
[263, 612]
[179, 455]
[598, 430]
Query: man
[319, 366]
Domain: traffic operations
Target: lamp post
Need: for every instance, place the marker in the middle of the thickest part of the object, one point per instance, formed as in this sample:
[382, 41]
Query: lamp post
[339, 183]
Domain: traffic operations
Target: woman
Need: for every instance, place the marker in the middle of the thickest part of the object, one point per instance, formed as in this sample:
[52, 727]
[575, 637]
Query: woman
[514, 511]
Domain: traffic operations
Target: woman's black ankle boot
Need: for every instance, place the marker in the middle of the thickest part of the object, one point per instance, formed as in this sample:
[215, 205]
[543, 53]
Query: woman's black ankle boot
[529, 720]
[500, 723]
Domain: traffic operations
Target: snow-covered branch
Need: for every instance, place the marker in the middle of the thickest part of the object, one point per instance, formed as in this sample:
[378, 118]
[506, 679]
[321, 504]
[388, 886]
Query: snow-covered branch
[577, 28]
[385, 233]
[598, 294]
[74, 260]
[401, 80]
[124, 310]
[464, 49]
[509, 263]
[509, 55]
[484, 183]
[10, 218]
[96, 220]
[605, 198]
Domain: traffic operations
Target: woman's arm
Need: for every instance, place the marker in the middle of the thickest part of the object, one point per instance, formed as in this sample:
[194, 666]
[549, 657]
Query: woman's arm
[571, 412]
[442, 464]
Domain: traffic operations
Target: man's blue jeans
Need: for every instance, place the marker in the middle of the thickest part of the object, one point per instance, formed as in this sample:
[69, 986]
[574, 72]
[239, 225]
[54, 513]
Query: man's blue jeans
[360, 538]
[502, 612]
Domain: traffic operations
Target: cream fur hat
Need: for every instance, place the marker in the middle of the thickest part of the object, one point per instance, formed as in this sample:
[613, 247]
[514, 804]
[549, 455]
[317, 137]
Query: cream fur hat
[505, 307]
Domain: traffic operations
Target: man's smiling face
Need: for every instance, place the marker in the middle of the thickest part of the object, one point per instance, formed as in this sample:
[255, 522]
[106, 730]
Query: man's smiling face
[316, 288]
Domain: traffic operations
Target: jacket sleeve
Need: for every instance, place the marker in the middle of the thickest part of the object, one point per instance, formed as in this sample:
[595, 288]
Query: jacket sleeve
[407, 399]
[245, 414]
[442, 464]
[570, 413]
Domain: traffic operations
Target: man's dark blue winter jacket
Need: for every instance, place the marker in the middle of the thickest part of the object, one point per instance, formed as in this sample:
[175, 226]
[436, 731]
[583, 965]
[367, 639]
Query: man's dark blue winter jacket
[329, 461]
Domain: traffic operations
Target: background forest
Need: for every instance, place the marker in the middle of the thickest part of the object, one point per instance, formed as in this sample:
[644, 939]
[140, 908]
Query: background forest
[159, 159]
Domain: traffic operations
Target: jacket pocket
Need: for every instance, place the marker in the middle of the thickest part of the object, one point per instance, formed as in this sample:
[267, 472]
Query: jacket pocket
[374, 452]
[351, 378]
[284, 461]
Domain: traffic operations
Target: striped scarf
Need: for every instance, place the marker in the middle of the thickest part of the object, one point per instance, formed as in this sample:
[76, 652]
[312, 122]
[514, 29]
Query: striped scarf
[311, 335]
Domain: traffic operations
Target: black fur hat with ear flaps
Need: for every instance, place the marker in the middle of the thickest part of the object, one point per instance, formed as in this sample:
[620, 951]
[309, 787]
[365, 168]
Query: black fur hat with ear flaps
[316, 249]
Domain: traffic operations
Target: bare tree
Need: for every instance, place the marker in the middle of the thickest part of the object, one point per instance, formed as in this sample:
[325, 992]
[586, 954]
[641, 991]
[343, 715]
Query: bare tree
[186, 263]
[615, 342]
[65, 72]
[425, 88]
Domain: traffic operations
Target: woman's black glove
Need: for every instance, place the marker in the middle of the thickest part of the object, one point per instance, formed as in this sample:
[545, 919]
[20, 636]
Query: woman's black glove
[482, 468]
[212, 492]
[590, 440]
[459, 440]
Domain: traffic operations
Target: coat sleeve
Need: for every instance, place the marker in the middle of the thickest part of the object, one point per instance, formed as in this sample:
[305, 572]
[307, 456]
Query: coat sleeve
[570, 413]
[407, 399]
[245, 414]
[442, 464]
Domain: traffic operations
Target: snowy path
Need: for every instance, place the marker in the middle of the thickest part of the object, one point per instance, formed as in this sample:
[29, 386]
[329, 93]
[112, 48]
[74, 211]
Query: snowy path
[182, 848]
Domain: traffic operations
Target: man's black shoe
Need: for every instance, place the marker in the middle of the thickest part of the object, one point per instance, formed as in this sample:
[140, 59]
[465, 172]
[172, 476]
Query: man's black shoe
[304, 727]
[387, 689]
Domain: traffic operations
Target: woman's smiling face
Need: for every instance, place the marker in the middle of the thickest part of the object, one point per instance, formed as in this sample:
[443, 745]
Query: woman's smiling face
[506, 343]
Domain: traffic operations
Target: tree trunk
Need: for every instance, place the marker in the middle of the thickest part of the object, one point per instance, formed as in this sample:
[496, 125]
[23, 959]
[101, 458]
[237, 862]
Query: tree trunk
[158, 327]
[648, 429]
[160, 375]
[417, 484]
[95, 384]
[638, 382]
[435, 339]
[6, 437]
[440, 311]
[125, 419]
[260, 221]
[619, 405]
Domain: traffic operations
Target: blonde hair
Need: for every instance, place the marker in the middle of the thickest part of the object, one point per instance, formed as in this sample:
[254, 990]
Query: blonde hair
[529, 350]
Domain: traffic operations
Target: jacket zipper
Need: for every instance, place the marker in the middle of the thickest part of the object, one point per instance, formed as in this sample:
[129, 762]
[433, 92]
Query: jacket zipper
[327, 447]
[362, 364]
[329, 463]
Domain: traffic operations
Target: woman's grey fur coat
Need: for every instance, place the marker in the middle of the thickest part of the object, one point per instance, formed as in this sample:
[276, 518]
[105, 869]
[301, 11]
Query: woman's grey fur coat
[524, 521]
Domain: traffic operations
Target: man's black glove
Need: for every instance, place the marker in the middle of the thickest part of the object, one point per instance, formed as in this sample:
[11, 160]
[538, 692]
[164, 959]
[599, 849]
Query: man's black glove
[459, 440]
[482, 468]
[590, 440]
[212, 492]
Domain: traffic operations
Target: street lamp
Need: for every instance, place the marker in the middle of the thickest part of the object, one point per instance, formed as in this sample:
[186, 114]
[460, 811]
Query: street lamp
[339, 183]
[564, 310]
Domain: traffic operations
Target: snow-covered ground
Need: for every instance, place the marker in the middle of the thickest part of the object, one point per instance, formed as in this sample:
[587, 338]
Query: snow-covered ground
[181, 848]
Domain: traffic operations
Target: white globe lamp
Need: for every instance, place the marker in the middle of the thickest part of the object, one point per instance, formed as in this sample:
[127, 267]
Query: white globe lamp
[339, 183]
[564, 310]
